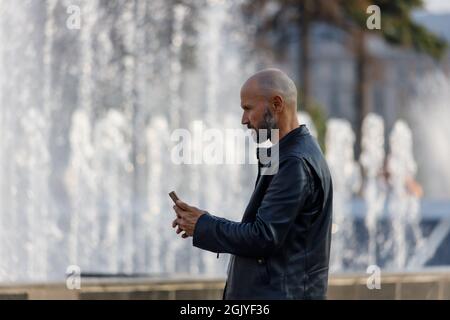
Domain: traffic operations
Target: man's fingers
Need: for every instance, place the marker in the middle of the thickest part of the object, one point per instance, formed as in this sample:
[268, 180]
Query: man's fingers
[180, 212]
[181, 224]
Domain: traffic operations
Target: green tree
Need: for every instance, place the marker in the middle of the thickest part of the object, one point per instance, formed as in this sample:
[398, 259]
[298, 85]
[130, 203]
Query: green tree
[276, 16]
[397, 28]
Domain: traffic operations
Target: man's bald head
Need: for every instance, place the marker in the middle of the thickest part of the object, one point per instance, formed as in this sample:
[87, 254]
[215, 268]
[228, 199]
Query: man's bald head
[269, 101]
[273, 82]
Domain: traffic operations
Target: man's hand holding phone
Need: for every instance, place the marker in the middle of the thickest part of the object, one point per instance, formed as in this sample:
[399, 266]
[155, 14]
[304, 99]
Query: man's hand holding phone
[187, 216]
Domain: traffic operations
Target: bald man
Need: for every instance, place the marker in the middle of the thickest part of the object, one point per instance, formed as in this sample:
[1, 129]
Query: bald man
[280, 249]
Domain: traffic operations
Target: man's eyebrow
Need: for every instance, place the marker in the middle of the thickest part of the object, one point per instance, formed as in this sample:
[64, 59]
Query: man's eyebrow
[245, 106]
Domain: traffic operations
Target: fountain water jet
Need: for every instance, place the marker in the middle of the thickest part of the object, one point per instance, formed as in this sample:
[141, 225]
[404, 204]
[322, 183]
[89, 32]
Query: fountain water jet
[346, 179]
[403, 205]
[372, 161]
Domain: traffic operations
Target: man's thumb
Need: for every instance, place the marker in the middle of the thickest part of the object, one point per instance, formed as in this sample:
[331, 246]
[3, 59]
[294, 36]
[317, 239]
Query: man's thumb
[182, 205]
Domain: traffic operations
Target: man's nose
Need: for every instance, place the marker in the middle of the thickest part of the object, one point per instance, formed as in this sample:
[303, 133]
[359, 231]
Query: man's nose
[244, 120]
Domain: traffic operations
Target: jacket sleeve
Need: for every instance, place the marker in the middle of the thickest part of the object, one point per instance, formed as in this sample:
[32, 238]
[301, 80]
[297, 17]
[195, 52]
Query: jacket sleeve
[284, 197]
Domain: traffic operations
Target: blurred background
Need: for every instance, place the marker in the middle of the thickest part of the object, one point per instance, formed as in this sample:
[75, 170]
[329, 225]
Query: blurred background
[91, 91]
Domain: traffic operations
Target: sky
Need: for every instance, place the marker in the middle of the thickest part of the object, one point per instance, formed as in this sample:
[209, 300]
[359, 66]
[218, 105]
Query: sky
[437, 6]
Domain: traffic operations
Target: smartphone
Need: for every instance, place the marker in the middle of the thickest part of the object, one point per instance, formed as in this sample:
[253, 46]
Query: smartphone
[173, 196]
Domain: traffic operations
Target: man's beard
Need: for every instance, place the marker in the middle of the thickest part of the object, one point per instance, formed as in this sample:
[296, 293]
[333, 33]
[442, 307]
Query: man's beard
[265, 127]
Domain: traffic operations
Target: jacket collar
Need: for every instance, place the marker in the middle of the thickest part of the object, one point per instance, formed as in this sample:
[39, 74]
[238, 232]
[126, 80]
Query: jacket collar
[284, 142]
[291, 136]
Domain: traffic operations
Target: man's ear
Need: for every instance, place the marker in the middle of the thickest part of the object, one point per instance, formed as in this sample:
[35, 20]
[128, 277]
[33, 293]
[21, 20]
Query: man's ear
[277, 103]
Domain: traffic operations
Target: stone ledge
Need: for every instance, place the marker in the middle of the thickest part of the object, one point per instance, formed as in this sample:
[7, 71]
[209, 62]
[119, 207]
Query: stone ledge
[429, 285]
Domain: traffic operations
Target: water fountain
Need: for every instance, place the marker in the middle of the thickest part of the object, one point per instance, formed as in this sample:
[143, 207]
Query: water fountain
[85, 153]
[85, 122]
[346, 180]
[372, 161]
[403, 204]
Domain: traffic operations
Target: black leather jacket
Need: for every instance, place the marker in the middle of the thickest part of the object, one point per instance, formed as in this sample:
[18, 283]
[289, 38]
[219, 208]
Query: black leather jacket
[280, 249]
